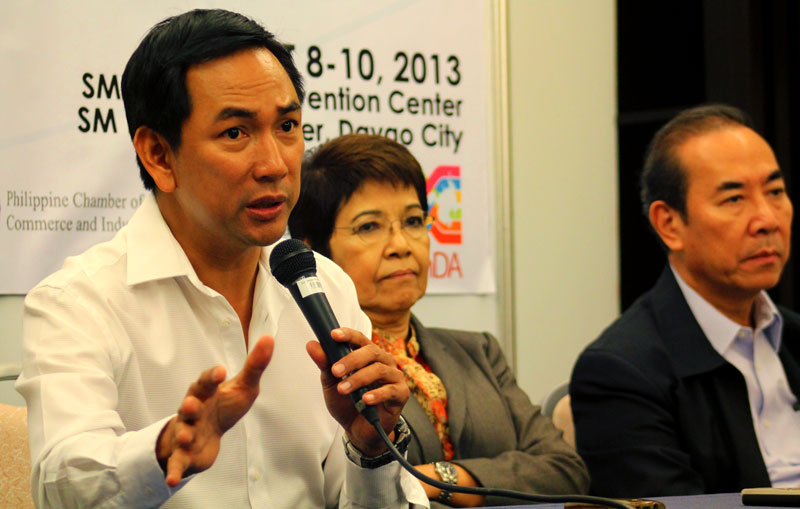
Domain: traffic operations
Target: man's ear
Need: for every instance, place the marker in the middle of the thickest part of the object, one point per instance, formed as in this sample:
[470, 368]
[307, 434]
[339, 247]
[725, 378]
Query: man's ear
[157, 157]
[668, 224]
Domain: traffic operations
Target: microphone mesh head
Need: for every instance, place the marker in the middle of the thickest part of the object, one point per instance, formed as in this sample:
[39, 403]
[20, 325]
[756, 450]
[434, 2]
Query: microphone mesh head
[290, 260]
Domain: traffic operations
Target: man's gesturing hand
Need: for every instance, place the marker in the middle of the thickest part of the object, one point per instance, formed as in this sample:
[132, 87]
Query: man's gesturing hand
[189, 443]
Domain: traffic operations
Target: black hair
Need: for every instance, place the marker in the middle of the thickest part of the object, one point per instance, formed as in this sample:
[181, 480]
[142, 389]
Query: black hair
[154, 82]
[663, 176]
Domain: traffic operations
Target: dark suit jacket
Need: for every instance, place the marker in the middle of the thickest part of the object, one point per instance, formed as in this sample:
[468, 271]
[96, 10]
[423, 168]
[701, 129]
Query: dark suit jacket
[659, 412]
[498, 435]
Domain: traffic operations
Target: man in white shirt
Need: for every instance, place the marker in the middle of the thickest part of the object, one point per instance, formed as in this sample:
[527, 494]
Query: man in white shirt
[694, 389]
[151, 322]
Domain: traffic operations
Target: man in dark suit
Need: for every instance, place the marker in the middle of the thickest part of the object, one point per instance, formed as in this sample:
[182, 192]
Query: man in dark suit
[693, 389]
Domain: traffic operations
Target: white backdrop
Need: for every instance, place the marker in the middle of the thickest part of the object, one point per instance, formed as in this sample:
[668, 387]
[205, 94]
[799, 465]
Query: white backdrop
[415, 71]
[561, 63]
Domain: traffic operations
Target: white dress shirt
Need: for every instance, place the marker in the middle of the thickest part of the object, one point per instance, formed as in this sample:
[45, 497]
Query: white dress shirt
[754, 352]
[111, 343]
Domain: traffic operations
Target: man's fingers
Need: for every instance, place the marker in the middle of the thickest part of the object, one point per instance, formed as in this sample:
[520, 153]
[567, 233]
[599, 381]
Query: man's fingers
[194, 434]
[185, 435]
[373, 375]
[317, 354]
[352, 336]
[362, 357]
[176, 465]
[205, 386]
[190, 409]
[391, 395]
[257, 361]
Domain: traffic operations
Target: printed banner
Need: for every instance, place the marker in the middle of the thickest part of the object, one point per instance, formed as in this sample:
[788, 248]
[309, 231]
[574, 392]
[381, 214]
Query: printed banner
[414, 71]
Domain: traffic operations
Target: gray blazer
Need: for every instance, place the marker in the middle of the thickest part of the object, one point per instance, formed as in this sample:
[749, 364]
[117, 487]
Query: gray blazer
[498, 435]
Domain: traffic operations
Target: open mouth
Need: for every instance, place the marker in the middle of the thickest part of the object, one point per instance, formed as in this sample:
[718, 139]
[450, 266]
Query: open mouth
[267, 207]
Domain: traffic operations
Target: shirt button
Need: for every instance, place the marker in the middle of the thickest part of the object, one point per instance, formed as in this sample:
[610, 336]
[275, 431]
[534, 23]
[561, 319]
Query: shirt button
[255, 474]
[225, 323]
[766, 423]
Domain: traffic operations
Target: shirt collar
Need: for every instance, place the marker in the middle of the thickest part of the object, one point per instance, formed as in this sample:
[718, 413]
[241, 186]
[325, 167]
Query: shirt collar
[154, 253]
[720, 330]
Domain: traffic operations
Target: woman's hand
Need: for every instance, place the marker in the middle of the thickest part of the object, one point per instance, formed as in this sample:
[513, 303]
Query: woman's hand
[458, 499]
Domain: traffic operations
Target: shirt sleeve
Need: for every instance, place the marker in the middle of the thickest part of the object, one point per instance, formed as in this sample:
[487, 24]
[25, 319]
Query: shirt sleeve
[389, 486]
[81, 453]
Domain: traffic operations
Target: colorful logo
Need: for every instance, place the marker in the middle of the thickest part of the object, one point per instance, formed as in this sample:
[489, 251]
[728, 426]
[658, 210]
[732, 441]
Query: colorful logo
[444, 202]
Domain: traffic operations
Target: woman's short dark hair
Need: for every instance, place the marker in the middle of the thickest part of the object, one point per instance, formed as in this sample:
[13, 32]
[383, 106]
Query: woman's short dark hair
[335, 170]
[154, 82]
[663, 177]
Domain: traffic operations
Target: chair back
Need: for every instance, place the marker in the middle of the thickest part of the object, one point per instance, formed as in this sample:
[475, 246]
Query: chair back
[9, 371]
[552, 398]
[15, 463]
[556, 406]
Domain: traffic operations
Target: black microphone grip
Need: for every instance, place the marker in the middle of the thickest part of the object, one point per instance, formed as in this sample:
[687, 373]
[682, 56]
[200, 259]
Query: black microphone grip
[318, 313]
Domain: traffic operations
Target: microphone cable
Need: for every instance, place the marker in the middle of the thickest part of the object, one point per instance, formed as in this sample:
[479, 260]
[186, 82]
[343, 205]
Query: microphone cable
[293, 265]
[585, 499]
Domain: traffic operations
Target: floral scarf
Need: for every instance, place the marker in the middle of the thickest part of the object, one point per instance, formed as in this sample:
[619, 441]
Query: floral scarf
[425, 386]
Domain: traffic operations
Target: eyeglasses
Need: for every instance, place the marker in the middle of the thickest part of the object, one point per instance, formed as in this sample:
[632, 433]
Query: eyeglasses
[377, 229]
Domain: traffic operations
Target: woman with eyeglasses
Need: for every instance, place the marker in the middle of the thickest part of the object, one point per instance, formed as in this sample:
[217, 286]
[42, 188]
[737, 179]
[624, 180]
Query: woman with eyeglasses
[363, 204]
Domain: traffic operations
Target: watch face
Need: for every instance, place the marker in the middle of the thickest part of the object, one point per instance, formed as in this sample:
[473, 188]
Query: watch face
[446, 471]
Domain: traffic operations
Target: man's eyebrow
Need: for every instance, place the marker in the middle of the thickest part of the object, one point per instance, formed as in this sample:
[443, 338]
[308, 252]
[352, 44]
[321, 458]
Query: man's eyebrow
[231, 112]
[730, 185]
[227, 113]
[775, 175]
[293, 106]
[727, 186]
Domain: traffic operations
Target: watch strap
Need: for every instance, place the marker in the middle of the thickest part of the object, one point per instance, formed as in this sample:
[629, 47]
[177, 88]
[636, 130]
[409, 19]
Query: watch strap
[402, 437]
[449, 475]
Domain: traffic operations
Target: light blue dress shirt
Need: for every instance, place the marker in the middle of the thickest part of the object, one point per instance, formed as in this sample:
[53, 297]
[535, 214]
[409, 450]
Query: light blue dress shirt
[754, 352]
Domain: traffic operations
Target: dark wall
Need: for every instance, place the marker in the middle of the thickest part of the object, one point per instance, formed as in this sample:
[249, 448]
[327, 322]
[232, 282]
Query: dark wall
[677, 54]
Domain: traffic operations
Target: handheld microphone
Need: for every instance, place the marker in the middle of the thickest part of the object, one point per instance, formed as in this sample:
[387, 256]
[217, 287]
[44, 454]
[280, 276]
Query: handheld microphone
[293, 265]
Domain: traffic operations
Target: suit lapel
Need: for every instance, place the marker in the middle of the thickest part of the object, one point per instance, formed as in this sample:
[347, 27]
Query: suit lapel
[445, 365]
[685, 341]
[696, 362]
[426, 448]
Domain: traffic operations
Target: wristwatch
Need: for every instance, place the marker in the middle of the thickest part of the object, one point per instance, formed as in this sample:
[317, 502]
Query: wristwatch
[449, 475]
[402, 436]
